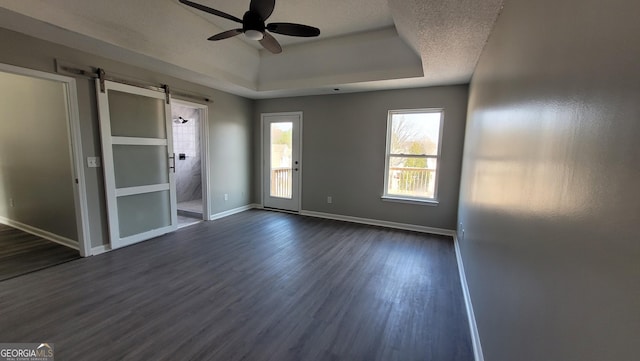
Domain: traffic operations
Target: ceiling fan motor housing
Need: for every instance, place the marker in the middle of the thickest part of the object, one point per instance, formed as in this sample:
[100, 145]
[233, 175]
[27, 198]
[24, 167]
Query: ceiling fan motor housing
[252, 21]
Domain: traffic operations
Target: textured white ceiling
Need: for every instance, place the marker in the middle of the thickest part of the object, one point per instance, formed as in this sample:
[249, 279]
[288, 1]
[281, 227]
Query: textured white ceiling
[449, 35]
[437, 42]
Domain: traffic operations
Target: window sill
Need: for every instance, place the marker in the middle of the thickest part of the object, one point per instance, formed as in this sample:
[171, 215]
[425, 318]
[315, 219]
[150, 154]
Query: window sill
[422, 202]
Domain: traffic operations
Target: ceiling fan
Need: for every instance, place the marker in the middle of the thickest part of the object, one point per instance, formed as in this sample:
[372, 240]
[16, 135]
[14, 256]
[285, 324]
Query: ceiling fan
[253, 24]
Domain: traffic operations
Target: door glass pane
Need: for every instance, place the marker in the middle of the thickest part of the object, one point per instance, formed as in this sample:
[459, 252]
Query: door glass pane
[136, 116]
[281, 159]
[143, 212]
[140, 165]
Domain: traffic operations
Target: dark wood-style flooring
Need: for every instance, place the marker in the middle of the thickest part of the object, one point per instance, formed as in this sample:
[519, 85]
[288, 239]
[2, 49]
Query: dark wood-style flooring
[253, 286]
[21, 253]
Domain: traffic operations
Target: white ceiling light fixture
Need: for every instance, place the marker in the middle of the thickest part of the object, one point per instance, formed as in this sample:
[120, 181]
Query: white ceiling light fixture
[253, 35]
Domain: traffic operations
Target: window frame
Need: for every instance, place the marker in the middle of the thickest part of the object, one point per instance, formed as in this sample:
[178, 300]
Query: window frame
[404, 198]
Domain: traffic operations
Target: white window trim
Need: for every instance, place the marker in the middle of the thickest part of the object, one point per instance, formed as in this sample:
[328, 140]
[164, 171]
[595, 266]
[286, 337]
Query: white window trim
[408, 199]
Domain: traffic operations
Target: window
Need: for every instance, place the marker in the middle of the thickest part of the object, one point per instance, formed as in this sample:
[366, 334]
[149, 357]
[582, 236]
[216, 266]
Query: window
[413, 151]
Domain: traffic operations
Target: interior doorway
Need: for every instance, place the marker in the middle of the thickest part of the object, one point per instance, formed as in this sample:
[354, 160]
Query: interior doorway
[189, 125]
[40, 135]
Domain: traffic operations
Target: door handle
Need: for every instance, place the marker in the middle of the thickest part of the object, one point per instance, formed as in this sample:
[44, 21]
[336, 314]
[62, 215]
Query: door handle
[173, 159]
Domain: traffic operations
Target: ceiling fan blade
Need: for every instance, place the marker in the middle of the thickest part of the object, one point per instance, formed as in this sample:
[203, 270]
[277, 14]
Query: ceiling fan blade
[270, 43]
[226, 34]
[209, 10]
[293, 29]
[263, 7]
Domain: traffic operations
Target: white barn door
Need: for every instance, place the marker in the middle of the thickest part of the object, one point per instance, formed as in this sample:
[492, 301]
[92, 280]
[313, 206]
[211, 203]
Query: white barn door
[137, 150]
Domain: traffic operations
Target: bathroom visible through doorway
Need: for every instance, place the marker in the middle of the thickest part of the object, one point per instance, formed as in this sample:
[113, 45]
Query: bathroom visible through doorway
[188, 144]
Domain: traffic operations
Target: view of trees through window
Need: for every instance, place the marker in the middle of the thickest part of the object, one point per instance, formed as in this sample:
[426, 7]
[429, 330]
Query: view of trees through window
[412, 153]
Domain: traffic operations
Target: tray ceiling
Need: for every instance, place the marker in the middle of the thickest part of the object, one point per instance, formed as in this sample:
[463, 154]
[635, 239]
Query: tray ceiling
[364, 44]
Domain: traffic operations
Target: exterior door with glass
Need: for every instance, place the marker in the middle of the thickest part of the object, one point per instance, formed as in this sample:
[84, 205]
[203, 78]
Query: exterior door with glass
[137, 151]
[282, 163]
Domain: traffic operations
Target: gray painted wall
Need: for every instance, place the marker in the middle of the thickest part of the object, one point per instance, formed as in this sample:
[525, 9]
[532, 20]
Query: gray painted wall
[549, 196]
[230, 153]
[343, 151]
[230, 124]
[36, 181]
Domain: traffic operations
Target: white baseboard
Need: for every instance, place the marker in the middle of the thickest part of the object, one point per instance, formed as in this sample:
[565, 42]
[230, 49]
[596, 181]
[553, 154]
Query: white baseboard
[376, 222]
[473, 327]
[41, 233]
[233, 211]
[100, 249]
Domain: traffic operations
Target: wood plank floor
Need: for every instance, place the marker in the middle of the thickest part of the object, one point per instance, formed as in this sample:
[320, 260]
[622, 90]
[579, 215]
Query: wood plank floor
[21, 253]
[254, 286]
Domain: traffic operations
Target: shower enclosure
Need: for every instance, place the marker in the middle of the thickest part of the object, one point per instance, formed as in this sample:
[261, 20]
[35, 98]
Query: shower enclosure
[188, 162]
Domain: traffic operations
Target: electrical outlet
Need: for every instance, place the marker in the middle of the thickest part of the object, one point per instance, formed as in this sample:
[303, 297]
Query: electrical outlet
[226, 197]
[462, 235]
[93, 162]
[329, 199]
[11, 202]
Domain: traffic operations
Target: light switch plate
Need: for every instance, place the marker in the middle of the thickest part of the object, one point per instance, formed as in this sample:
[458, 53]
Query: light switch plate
[93, 162]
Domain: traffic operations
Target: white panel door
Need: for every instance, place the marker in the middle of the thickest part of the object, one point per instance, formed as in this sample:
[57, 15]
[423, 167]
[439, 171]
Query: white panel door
[137, 151]
[282, 162]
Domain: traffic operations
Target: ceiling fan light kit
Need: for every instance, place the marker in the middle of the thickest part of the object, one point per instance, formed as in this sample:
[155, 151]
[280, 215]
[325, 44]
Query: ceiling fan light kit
[253, 34]
[254, 27]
